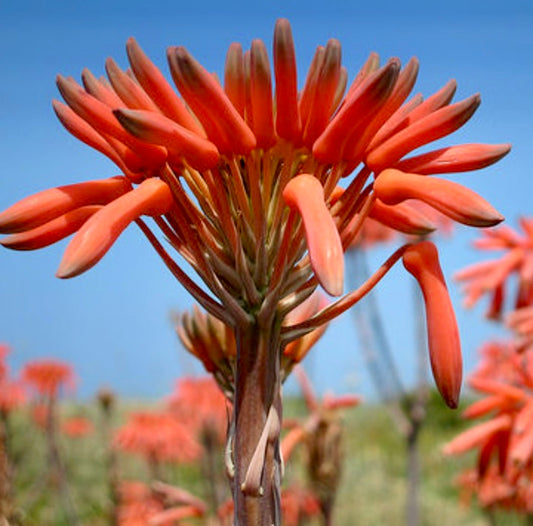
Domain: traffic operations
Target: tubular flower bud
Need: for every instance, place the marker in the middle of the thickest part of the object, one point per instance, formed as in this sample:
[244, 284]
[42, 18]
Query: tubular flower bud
[462, 158]
[97, 235]
[452, 199]
[261, 121]
[44, 206]
[474, 437]
[234, 82]
[155, 128]
[157, 87]
[491, 278]
[224, 126]
[422, 262]
[288, 123]
[402, 217]
[305, 194]
[51, 232]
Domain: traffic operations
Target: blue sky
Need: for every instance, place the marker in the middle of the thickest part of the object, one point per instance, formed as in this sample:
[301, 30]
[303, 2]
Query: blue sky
[112, 323]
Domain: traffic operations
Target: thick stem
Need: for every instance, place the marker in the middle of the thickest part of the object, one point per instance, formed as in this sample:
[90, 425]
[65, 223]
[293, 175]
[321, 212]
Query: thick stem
[256, 421]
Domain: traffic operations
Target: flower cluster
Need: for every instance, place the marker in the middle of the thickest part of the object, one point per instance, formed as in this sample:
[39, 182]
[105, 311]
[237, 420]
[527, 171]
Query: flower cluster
[243, 181]
[504, 475]
[491, 278]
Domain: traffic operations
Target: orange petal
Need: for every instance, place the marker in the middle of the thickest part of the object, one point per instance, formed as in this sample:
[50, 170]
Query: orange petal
[358, 142]
[100, 89]
[452, 199]
[357, 109]
[97, 235]
[461, 158]
[155, 128]
[161, 92]
[83, 131]
[308, 92]
[262, 120]
[100, 116]
[423, 131]
[477, 435]
[44, 206]
[234, 84]
[484, 406]
[288, 124]
[321, 104]
[421, 260]
[413, 111]
[224, 126]
[402, 217]
[51, 232]
[127, 89]
[305, 194]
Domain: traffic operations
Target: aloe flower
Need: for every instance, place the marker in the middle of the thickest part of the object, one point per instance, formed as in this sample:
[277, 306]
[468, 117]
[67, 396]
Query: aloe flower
[256, 184]
[491, 278]
[503, 440]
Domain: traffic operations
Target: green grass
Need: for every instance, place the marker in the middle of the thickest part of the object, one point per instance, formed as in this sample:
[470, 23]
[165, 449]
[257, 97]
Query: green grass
[372, 492]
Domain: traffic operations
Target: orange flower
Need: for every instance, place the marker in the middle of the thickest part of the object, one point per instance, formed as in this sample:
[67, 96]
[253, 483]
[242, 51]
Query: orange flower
[140, 505]
[212, 167]
[240, 179]
[297, 505]
[199, 404]
[46, 377]
[491, 277]
[12, 395]
[444, 346]
[157, 437]
[504, 441]
[76, 427]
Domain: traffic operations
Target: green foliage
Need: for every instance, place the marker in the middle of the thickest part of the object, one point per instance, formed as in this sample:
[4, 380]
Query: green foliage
[372, 490]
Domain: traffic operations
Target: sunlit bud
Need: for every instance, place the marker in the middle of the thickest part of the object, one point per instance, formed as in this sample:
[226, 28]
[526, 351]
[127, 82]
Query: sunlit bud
[155, 128]
[127, 89]
[44, 206]
[100, 89]
[427, 129]
[87, 134]
[461, 158]
[262, 120]
[234, 83]
[484, 406]
[100, 116]
[402, 217]
[97, 235]
[161, 92]
[358, 142]
[358, 107]
[224, 126]
[322, 100]
[51, 232]
[421, 260]
[452, 199]
[288, 124]
[477, 435]
[308, 91]
[305, 194]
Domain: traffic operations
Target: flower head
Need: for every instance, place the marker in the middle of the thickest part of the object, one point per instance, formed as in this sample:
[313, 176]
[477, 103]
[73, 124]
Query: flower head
[491, 278]
[241, 178]
[504, 440]
[157, 436]
[47, 377]
[201, 406]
